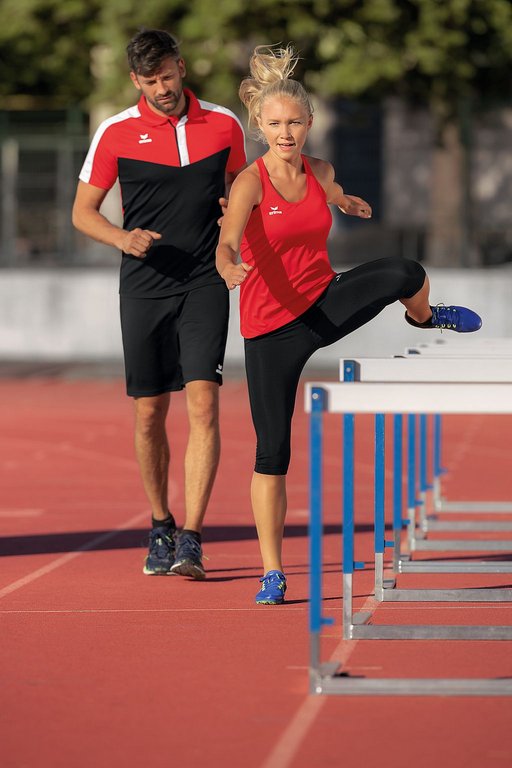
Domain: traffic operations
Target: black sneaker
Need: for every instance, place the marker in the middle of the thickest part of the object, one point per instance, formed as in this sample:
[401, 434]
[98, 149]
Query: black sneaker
[162, 551]
[453, 318]
[188, 557]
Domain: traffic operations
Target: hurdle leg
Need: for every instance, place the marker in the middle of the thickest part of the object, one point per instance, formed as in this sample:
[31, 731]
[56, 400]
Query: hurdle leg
[380, 542]
[398, 520]
[411, 482]
[317, 670]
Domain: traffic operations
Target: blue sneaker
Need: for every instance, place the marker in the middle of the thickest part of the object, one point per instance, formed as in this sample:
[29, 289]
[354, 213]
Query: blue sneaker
[273, 589]
[188, 557]
[453, 318]
[162, 550]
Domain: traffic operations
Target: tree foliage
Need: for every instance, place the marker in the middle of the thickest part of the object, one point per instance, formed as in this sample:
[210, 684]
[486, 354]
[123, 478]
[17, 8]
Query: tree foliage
[434, 52]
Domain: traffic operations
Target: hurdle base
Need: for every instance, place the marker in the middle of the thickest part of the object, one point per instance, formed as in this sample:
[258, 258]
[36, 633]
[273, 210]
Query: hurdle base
[466, 526]
[461, 545]
[406, 565]
[343, 684]
[471, 507]
[463, 595]
[363, 631]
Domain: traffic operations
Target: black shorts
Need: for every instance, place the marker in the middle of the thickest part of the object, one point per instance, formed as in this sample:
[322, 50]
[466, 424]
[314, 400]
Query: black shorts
[173, 340]
[274, 361]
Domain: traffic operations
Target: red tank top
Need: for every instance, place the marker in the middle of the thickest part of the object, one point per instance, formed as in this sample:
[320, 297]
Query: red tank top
[287, 245]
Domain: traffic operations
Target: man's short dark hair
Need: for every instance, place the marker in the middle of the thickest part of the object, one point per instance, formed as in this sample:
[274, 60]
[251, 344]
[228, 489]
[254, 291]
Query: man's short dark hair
[149, 48]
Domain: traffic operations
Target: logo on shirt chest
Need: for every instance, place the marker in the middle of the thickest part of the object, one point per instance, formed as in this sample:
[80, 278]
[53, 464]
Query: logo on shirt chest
[274, 210]
[144, 138]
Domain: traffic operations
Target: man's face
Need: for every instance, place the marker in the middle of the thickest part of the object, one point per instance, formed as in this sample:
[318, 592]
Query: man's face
[163, 89]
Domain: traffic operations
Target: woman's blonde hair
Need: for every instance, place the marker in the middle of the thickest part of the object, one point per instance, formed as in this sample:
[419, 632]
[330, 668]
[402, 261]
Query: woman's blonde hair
[271, 68]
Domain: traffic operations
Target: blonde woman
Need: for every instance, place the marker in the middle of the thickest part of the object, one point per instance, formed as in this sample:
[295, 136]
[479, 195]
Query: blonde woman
[273, 245]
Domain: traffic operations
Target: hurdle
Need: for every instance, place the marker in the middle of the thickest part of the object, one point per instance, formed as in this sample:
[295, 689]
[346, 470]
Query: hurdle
[348, 399]
[434, 369]
[425, 370]
[486, 352]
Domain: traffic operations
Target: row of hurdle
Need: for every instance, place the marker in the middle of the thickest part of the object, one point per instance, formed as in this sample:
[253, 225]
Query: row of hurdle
[416, 390]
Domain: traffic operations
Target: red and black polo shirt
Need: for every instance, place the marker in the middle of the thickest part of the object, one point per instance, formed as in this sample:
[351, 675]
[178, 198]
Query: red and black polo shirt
[171, 173]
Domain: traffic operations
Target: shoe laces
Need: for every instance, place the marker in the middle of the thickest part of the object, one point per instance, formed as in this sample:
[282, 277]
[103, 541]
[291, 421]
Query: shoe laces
[274, 578]
[161, 543]
[444, 317]
[189, 547]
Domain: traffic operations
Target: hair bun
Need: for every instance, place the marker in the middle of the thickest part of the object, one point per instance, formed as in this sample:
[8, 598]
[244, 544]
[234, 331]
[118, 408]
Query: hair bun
[271, 67]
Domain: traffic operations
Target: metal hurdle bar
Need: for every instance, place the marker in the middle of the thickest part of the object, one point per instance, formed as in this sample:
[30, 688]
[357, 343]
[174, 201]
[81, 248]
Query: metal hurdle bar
[411, 370]
[487, 352]
[320, 398]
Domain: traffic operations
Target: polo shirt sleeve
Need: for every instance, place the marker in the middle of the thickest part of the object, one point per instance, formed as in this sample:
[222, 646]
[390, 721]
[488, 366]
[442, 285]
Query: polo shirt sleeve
[100, 167]
[237, 156]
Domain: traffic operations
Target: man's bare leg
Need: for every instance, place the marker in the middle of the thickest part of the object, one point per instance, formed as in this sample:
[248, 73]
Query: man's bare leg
[201, 462]
[152, 450]
[203, 450]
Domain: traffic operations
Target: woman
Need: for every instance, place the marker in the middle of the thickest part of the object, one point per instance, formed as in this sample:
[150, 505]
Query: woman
[291, 301]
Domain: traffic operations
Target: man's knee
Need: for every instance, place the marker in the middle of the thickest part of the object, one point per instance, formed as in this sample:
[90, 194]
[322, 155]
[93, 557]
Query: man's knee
[150, 413]
[203, 404]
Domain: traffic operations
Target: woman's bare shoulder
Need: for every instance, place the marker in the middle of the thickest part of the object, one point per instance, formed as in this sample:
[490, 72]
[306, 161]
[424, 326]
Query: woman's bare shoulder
[322, 169]
[248, 182]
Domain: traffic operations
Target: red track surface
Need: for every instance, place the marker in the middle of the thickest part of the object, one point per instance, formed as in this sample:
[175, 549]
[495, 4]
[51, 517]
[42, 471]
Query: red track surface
[103, 666]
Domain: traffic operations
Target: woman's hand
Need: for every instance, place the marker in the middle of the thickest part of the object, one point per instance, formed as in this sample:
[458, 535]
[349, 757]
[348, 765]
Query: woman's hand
[355, 206]
[235, 274]
[223, 202]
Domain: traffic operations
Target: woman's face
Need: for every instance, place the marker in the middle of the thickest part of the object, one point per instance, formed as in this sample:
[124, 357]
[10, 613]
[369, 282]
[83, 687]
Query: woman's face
[285, 124]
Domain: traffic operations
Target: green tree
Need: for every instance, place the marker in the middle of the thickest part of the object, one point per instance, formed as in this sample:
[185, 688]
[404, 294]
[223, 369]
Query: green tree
[451, 56]
[45, 51]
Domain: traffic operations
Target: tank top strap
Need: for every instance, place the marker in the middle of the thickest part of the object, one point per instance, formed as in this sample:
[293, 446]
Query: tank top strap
[264, 177]
[312, 178]
[307, 166]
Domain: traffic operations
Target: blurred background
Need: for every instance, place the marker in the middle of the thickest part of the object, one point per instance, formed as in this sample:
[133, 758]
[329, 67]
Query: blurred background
[413, 105]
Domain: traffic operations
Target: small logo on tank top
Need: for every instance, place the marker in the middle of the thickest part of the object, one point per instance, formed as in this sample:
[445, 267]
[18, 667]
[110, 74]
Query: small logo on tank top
[274, 210]
[144, 138]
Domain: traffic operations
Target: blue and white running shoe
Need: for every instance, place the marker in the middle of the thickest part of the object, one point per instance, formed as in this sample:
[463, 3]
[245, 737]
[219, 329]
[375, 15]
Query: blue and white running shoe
[272, 589]
[452, 318]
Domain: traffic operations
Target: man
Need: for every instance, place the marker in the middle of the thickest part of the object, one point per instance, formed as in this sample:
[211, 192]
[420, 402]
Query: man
[175, 158]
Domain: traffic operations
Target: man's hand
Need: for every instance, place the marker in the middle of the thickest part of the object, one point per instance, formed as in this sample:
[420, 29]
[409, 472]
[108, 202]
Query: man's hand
[138, 242]
[235, 274]
[355, 206]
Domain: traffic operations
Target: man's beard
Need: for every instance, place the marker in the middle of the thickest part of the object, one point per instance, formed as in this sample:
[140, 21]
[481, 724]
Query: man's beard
[167, 106]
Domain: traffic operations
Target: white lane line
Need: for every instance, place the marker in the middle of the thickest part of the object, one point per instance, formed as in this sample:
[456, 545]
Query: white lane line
[289, 744]
[21, 512]
[70, 555]
[152, 610]
[72, 450]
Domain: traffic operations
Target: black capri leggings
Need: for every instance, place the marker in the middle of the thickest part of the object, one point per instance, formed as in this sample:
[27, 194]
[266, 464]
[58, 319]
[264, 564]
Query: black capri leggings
[274, 361]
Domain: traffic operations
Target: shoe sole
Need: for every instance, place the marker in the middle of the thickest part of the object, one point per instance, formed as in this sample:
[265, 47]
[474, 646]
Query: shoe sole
[269, 602]
[147, 572]
[188, 568]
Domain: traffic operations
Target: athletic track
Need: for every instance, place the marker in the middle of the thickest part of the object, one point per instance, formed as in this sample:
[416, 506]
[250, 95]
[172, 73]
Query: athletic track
[102, 666]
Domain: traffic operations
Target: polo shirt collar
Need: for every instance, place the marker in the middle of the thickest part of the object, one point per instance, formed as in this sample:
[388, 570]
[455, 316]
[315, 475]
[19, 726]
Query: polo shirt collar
[152, 118]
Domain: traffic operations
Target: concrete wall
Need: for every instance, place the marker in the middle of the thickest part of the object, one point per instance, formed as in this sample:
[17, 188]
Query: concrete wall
[63, 315]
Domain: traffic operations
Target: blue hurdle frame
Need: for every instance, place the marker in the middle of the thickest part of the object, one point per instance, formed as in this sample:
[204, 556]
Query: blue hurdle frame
[327, 677]
[419, 491]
